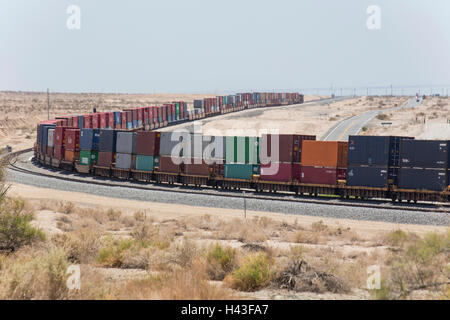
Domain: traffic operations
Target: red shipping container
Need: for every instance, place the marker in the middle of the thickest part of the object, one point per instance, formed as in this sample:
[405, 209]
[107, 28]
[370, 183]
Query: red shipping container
[95, 121]
[286, 172]
[105, 159]
[140, 116]
[49, 151]
[103, 120]
[111, 120]
[320, 175]
[87, 121]
[290, 147]
[60, 135]
[198, 167]
[167, 165]
[66, 120]
[72, 137]
[58, 152]
[75, 121]
[146, 115]
[147, 143]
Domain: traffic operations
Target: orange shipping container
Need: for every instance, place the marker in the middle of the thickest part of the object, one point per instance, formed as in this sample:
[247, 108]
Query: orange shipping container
[71, 155]
[324, 153]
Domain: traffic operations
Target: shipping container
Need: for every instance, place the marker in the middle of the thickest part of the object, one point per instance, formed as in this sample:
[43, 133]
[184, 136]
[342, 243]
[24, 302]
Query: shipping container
[58, 152]
[424, 153]
[241, 171]
[198, 167]
[244, 150]
[72, 137]
[49, 151]
[376, 177]
[87, 121]
[107, 140]
[280, 172]
[51, 138]
[126, 142]
[118, 120]
[125, 161]
[289, 147]
[105, 159]
[147, 143]
[88, 157]
[166, 164]
[423, 179]
[374, 150]
[324, 153]
[146, 163]
[321, 175]
[81, 122]
[171, 140]
[95, 121]
[103, 120]
[71, 156]
[89, 139]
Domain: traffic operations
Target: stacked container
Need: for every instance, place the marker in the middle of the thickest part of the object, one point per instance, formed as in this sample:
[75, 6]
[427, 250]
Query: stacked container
[424, 164]
[106, 147]
[125, 150]
[89, 146]
[284, 165]
[206, 157]
[168, 161]
[242, 157]
[373, 161]
[71, 145]
[147, 150]
[324, 162]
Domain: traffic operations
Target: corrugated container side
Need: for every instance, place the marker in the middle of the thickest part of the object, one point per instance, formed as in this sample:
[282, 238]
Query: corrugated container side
[125, 161]
[376, 177]
[147, 143]
[324, 153]
[145, 163]
[424, 153]
[320, 175]
[105, 159]
[126, 142]
[107, 140]
[423, 179]
[167, 165]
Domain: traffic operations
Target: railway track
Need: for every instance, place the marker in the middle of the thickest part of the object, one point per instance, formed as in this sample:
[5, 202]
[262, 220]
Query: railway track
[117, 183]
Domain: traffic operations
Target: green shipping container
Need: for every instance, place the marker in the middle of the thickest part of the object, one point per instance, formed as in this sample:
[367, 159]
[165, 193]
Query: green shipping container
[242, 150]
[146, 163]
[88, 157]
[241, 171]
[177, 111]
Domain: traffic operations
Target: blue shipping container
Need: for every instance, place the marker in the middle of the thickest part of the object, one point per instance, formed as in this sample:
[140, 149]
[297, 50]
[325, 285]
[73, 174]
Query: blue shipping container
[89, 139]
[117, 117]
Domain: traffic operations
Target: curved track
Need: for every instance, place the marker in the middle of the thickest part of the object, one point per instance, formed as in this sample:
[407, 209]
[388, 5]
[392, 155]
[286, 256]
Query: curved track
[25, 172]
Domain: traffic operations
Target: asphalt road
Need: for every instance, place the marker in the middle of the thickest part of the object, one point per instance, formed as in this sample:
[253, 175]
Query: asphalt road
[354, 125]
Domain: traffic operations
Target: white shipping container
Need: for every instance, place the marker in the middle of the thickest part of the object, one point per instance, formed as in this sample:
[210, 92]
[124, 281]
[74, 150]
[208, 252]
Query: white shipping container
[51, 138]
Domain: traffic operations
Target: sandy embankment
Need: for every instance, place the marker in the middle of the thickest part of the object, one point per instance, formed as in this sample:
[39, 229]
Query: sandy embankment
[173, 211]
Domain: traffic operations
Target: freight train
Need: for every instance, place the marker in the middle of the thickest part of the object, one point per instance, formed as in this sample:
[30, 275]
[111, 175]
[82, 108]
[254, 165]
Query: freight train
[125, 145]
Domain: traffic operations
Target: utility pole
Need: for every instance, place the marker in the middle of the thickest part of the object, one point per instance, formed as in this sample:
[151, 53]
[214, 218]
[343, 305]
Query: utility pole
[392, 93]
[48, 104]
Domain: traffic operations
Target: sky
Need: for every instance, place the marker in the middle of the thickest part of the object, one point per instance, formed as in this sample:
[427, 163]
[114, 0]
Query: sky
[210, 46]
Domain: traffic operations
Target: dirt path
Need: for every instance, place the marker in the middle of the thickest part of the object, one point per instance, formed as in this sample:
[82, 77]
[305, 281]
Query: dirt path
[169, 211]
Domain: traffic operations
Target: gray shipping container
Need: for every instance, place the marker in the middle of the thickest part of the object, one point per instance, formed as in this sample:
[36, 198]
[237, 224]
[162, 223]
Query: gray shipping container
[212, 147]
[375, 177]
[424, 154]
[124, 161]
[167, 144]
[423, 179]
[126, 142]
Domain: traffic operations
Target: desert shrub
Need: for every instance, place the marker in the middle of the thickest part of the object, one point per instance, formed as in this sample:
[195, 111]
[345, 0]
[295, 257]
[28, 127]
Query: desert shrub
[254, 273]
[150, 235]
[113, 215]
[66, 207]
[422, 264]
[82, 245]
[382, 116]
[221, 261]
[364, 129]
[397, 238]
[15, 228]
[35, 274]
[184, 254]
[112, 254]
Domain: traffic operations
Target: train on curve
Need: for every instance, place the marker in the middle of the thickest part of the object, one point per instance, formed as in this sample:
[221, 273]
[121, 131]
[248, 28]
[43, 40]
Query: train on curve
[127, 145]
